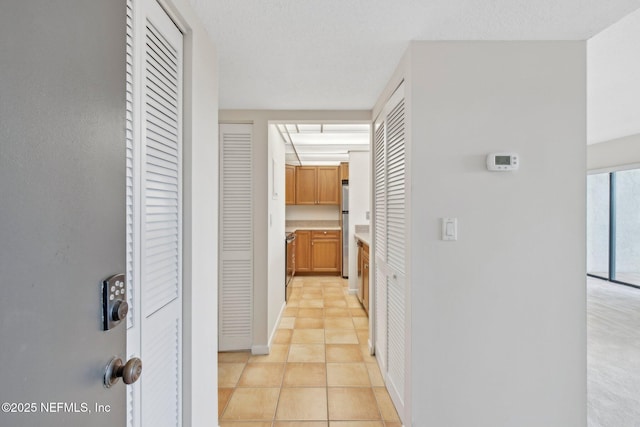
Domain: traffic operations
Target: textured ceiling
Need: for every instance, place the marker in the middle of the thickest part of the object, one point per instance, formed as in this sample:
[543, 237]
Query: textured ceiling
[339, 54]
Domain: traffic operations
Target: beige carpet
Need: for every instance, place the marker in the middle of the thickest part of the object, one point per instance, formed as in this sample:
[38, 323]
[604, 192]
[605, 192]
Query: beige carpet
[613, 354]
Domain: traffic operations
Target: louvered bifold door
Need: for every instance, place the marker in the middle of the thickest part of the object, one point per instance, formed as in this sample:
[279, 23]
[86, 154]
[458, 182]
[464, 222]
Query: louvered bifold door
[236, 231]
[161, 218]
[396, 239]
[389, 238]
[380, 242]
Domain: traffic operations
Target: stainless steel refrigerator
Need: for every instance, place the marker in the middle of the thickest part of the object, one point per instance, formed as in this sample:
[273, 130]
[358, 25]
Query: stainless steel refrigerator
[345, 229]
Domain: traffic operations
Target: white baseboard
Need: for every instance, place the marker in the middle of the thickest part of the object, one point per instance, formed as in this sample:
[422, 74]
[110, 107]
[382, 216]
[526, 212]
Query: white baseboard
[266, 349]
[260, 349]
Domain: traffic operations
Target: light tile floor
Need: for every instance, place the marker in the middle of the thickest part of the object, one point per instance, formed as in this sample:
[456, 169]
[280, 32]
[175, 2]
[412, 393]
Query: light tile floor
[319, 372]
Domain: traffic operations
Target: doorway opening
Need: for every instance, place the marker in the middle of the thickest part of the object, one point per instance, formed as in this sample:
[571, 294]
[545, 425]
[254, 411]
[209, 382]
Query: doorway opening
[327, 175]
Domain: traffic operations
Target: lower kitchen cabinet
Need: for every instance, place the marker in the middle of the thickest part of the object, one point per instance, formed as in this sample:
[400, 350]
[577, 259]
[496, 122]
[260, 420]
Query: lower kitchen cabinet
[325, 251]
[363, 274]
[365, 277]
[318, 251]
[303, 251]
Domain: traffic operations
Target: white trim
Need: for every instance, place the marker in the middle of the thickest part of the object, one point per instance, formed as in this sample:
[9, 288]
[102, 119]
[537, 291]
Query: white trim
[266, 349]
[260, 350]
[620, 168]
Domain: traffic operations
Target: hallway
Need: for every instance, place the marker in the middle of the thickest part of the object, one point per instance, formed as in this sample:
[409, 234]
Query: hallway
[319, 372]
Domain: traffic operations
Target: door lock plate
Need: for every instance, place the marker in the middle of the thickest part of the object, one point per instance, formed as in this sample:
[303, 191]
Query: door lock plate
[114, 301]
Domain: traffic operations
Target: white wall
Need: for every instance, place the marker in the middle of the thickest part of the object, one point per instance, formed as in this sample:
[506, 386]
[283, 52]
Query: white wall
[260, 120]
[200, 214]
[276, 257]
[498, 330]
[613, 93]
[359, 205]
[613, 85]
[319, 212]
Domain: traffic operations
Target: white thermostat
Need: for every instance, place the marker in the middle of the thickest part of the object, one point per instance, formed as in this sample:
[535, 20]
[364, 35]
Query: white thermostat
[502, 162]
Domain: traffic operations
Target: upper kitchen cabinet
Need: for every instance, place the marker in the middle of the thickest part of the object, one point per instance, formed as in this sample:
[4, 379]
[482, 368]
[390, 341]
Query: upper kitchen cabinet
[306, 183]
[317, 185]
[344, 171]
[290, 185]
[328, 185]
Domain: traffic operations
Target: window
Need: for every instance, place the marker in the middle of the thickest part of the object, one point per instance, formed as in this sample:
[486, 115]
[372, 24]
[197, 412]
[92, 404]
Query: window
[613, 226]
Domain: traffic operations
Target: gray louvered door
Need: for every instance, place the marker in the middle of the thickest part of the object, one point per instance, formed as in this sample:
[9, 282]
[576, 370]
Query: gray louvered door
[390, 235]
[236, 231]
[154, 214]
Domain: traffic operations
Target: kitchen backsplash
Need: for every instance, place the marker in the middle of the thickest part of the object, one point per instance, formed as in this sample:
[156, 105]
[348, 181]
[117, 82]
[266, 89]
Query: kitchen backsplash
[362, 228]
[314, 212]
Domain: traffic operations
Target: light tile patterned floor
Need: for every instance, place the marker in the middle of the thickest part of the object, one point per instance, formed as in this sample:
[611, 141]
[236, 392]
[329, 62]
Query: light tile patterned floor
[319, 372]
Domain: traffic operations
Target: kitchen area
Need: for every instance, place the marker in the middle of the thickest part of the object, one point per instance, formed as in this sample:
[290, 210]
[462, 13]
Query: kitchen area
[327, 203]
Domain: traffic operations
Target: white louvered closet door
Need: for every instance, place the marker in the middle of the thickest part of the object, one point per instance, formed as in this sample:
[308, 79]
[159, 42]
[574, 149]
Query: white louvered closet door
[154, 213]
[396, 239]
[380, 242]
[390, 237]
[236, 231]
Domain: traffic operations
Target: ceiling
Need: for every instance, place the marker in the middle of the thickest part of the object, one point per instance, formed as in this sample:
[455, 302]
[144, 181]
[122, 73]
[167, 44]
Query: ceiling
[337, 54]
[322, 143]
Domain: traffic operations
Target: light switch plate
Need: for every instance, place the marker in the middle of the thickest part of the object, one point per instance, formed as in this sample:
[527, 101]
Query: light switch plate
[449, 229]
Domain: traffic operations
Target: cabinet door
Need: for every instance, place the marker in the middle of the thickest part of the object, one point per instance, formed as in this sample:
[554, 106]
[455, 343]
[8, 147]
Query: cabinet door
[290, 185]
[305, 185]
[303, 251]
[325, 255]
[365, 279]
[328, 185]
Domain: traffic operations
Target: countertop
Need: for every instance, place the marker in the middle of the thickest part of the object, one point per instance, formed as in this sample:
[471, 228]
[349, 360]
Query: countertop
[291, 226]
[364, 237]
[291, 229]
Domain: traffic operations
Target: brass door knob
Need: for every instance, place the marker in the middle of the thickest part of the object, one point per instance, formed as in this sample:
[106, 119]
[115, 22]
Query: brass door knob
[129, 372]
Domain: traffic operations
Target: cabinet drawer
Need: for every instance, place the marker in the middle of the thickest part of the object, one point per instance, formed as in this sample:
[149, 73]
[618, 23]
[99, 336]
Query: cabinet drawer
[325, 234]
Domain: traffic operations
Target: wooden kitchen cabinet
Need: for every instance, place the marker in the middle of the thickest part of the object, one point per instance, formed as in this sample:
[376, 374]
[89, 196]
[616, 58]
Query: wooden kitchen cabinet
[303, 251]
[344, 171]
[290, 185]
[317, 185]
[365, 277]
[306, 185]
[325, 251]
[328, 185]
[318, 251]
